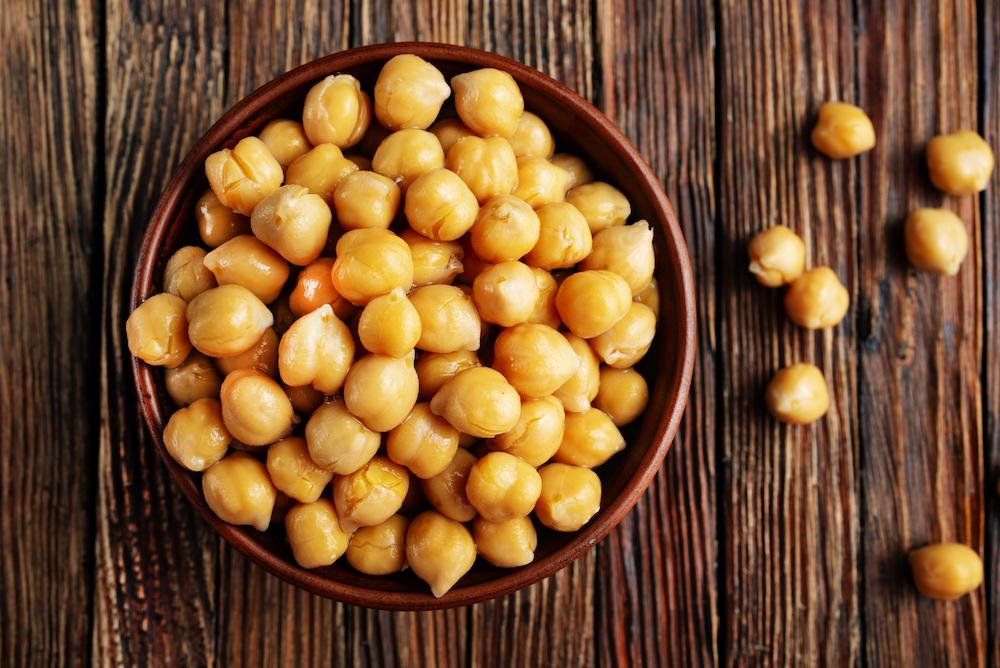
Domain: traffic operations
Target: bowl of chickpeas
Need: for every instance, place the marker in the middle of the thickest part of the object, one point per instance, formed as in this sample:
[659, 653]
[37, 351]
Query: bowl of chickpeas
[413, 326]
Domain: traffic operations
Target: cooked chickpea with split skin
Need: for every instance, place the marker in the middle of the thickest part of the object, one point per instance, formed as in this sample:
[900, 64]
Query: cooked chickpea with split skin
[536, 359]
[434, 262]
[243, 176]
[797, 394]
[843, 130]
[195, 378]
[370, 495]
[294, 473]
[337, 441]
[446, 491]
[217, 223]
[622, 394]
[946, 571]
[570, 496]
[195, 436]
[435, 369]
[817, 299]
[389, 325]
[336, 111]
[629, 339]
[505, 293]
[936, 241]
[538, 432]
[314, 288]
[379, 549]
[320, 171]
[255, 409]
[506, 229]
[448, 319]
[186, 274]
[316, 534]
[365, 199]
[409, 93]
[405, 155]
[575, 167]
[294, 222]
[487, 165]
[424, 443]
[238, 490]
[592, 302]
[960, 163]
[440, 206]
[262, 356]
[777, 256]
[381, 390]
[157, 331]
[439, 550]
[286, 140]
[227, 320]
[540, 182]
[601, 204]
[478, 401]
[247, 261]
[370, 263]
[488, 101]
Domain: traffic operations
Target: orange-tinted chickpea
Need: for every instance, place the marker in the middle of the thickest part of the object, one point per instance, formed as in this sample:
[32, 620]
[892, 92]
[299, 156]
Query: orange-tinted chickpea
[217, 223]
[314, 288]
[248, 262]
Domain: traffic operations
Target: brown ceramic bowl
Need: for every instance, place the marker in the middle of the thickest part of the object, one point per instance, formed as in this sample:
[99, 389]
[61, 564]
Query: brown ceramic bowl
[579, 128]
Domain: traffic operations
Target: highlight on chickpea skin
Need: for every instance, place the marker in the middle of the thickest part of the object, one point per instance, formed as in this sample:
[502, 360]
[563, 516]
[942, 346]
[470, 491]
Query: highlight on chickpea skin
[294, 222]
[936, 241]
[434, 262]
[217, 223]
[440, 206]
[535, 359]
[487, 165]
[538, 432]
[286, 140]
[626, 250]
[293, 471]
[843, 130]
[960, 163]
[817, 299]
[501, 487]
[798, 394]
[405, 155]
[777, 256]
[320, 170]
[365, 199]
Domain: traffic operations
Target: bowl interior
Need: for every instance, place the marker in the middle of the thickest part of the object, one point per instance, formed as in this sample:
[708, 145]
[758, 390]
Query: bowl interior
[578, 129]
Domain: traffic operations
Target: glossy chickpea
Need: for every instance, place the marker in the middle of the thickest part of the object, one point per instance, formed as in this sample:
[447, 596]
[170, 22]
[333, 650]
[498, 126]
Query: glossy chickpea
[217, 223]
[337, 441]
[545, 312]
[622, 394]
[448, 319]
[777, 256]
[575, 166]
[843, 130]
[195, 435]
[321, 170]
[371, 262]
[506, 544]
[294, 473]
[294, 222]
[590, 439]
[255, 409]
[478, 401]
[379, 549]
[450, 130]
[314, 288]
[817, 299]
[405, 155]
[571, 496]
[532, 138]
[592, 302]
[581, 388]
[157, 331]
[650, 296]
[936, 241]
[247, 261]
[305, 399]
[629, 339]
[946, 571]
[439, 550]
[446, 491]
[381, 390]
[370, 495]
[488, 101]
[366, 199]
[409, 93]
[286, 140]
[238, 490]
[440, 206]
[960, 163]
[227, 320]
[435, 369]
[487, 165]
[389, 325]
[505, 293]
[186, 274]
[601, 204]
[316, 534]
[262, 356]
[501, 487]
[563, 239]
[433, 261]
[244, 175]
[797, 394]
[195, 378]
[539, 182]
[336, 111]
[535, 359]
[506, 229]
[538, 432]
[316, 350]
[626, 250]
[424, 443]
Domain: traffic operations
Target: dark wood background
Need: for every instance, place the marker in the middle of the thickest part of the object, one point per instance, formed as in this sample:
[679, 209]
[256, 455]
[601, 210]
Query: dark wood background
[757, 543]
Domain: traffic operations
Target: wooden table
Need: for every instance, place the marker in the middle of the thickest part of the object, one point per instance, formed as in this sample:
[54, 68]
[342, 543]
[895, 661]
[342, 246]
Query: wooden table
[757, 543]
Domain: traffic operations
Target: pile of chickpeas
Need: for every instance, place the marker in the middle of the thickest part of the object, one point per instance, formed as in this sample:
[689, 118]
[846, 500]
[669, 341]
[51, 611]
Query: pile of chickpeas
[408, 332]
[936, 241]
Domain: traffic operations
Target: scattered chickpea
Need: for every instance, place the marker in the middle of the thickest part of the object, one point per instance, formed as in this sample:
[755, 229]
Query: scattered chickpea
[337, 441]
[195, 378]
[817, 299]
[433, 261]
[592, 302]
[336, 111]
[294, 222]
[389, 325]
[365, 199]
[286, 140]
[570, 496]
[777, 256]
[186, 274]
[262, 356]
[960, 163]
[380, 549]
[316, 534]
[423, 442]
[381, 390]
[538, 432]
[446, 491]
[626, 250]
[227, 320]
[797, 394]
[589, 440]
[577, 169]
[532, 138]
[195, 435]
[936, 241]
[440, 206]
[622, 394]
[946, 571]
[439, 550]
[405, 155]
[536, 359]
[409, 93]
[601, 204]
[320, 171]
[238, 490]
[294, 473]
[478, 401]
[255, 409]
[247, 261]
[157, 331]
[843, 130]
[217, 223]
[488, 101]
[370, 495]
[488, 166]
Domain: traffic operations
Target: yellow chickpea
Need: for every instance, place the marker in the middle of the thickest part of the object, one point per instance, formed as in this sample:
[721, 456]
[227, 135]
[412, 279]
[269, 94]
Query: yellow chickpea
[407, 154]
[241, 177]
[389, 325]
[797, 394]
[316, 350]
[478, 401]
[592, 302]
[506, 229]
[622, 394]
[575, 166]
[581, 388]
[186, 274]
[777, 256]
[217, 223]
[195, 436]
[321, 170]
[817, 299]
[843, 130]
[227, 320]
[370, 495]
[433, 261]
[379, 549]
[488, 166]
[946, 571]
[488, 101]
[450, 130]
[195, 378]
[247, 261]
[255, 409]
[439, 550]
[336, 111]
[316, 534]
[936, 241]
[338, 441]
[424, 443]
[501, 487]
[294, 473]
[157, 331]
[286, 140]
[506, 544]
[446, 491]
[380, 391]
[535, 359]
[366, 199]
[505, 293]
[314, 288]
[590, 439]
[563, 239]
[440, 206]
[538, 432]
[545, 312]
[960, 163]
[448, 319]
[650, 296]
[629, 339]
[238, 490]
[305, 399]
[294, 222]
[409, 93]
[532, 138]
[370, 263]
[601, 204]
[539, 182]
[571, 496]
[435, 369]
[626, 250]
[262, 356]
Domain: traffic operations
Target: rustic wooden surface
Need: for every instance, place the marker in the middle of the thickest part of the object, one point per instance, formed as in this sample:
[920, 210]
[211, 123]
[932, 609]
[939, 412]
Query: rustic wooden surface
[757, 543]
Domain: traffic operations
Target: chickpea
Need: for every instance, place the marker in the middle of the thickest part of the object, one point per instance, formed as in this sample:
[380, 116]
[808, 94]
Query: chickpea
[195, 436]
[409, 93]
[293, 472]
[361, 161]
[370, 495]
[592, 302]
[777, 256]
[371, 262]
[446, 491]
[435, 369]
[488, 166]
[478, 401]
[626, 250]
[571, 496]
[217, 223]
[389, 325]
[366, 199]
[506, 544]
[843, 130]
[379, 549]
[321, 170]
[501, 487]
[286, 140]
[263, 356]
[535, 359]
[407, 154]
[577, 169]
[381, 390]
[433, 261]
[305, 399]
[539, 182]
[294, 222]
[650, 296]
[817, 299]
[797, 394]
[255, 409]
[247, 261]
[336, 111]
[577, 392]
[338, 441]
[472, 264]
[195, 378]
[544, 311]
[448, 319]
[505, 293]
[946, 571]
[622, 394]
[538, 432]
[316, 534]
[601, 204]
[439, 550]
[506, 229]
[590, 439]
[936, 241]
[186, 274]
[563, 238]
[238, 490]
[488, 101]
[440, 206]
[450, 130]
[629, 339]
[241, 177]
[424, 443]
[960, 163]
[532, 138]
[227, 320]
[314, 288]
[157, 331]
[316, 350]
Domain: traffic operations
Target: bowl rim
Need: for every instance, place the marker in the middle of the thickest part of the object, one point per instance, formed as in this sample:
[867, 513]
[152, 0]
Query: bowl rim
[663, 434]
